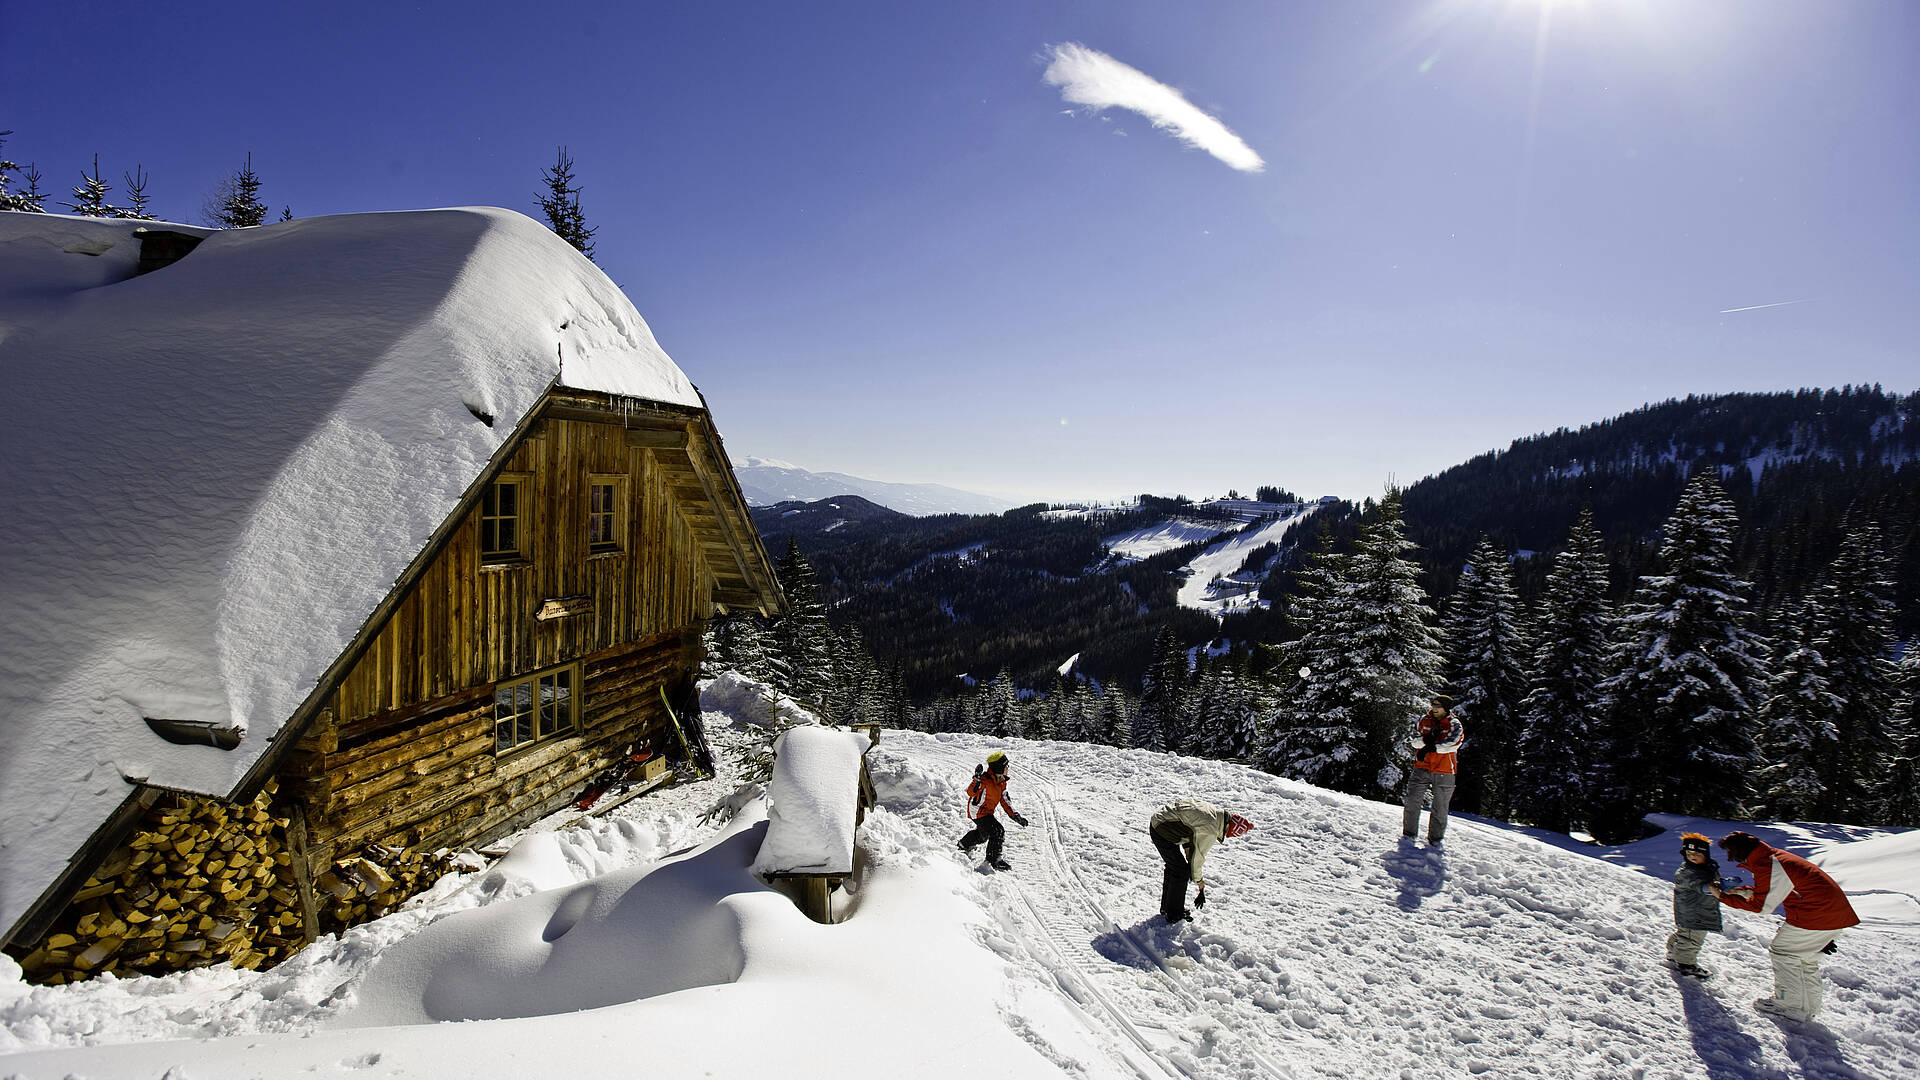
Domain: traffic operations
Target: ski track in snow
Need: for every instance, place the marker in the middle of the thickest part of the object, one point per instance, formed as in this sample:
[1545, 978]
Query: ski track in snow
[1330, 948]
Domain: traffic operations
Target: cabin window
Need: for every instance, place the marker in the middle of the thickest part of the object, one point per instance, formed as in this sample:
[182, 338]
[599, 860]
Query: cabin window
[606, 513]
[525, 711]
[503, 521]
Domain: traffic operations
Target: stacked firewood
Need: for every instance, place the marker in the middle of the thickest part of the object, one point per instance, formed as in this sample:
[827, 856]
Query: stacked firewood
[201, 881]
[374, 882]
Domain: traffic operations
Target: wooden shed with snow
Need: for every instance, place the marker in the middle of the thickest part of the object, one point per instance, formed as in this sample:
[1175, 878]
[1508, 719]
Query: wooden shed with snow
[323, 548]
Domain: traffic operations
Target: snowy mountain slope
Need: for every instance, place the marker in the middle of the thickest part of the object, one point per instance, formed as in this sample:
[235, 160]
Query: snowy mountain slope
[1329, 949]
[1203, 592]
[766, 482]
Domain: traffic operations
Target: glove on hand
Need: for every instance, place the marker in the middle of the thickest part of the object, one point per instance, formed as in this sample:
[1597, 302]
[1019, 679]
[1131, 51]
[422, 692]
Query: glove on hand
[1200, 900]
[1017, 819]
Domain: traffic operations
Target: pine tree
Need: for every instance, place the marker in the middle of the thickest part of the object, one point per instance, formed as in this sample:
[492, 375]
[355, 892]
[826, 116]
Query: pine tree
[1116, 718]
[1227, 711]
[1486, 667]
[1555, 748]
[90, 198]
[1371, 660]
[1853, 631]
[801, 641]
[26, 201]
[1903, 775]
[561, 205]
[137, 191]
[1000, 707]
[235, 203]
[1157, 724]
[1797, 733]
[1686, 690]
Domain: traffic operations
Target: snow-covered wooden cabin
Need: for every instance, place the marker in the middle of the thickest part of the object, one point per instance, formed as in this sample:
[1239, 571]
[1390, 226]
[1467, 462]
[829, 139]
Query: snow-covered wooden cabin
[324, 546]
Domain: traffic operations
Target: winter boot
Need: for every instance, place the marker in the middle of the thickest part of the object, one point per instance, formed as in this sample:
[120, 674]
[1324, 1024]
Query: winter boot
[1000, 864]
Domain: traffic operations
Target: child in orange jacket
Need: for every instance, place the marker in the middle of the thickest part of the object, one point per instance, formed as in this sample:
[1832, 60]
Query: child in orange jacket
[985, 794]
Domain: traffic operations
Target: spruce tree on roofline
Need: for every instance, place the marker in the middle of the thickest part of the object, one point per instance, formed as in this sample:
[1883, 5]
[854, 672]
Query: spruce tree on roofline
[90, 198]
[561, 205]
[29, 200]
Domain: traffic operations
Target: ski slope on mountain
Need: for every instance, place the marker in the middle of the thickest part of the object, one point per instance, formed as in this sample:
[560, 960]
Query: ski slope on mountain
[1330, 948]
[1210, 587]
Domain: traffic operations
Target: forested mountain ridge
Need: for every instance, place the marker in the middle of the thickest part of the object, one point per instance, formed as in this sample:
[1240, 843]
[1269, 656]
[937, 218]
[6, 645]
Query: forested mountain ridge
[1794, 465]
[1699, 605]
[969, 595]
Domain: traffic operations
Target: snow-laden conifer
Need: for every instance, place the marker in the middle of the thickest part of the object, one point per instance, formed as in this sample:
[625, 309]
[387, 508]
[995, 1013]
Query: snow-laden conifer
[1227, 710]
[1371, 659]
[800, 639]
[1797, 733]
[1555, 750]
[137, 195]
[1687, 683]
[90, 197]
[235, 201]
[23, 200]
[1853, 630]
[1157, 723]
[1000, 712]
[1487, 672]
[1903, 774]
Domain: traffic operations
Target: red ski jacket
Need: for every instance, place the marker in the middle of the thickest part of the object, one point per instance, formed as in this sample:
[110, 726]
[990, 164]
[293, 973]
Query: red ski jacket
[986, 793]
[1452, 733]
[1814, 901]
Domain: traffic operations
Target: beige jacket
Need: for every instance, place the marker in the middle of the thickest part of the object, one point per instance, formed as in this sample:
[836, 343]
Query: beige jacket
[1198, 825]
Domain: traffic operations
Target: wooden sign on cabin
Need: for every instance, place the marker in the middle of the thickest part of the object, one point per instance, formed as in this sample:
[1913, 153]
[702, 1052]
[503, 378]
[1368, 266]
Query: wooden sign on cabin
[331, 548]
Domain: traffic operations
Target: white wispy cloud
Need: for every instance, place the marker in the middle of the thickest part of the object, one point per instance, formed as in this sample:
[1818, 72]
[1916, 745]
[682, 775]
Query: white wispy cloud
[1091, 78]
[1760, 307]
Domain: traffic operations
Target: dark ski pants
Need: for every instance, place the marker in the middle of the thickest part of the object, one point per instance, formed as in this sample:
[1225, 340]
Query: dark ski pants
[1419, 782]
[989, 829]
[1173, 883]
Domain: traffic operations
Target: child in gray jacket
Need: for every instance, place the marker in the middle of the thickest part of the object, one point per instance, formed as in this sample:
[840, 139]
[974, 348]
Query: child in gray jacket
[1695, 909]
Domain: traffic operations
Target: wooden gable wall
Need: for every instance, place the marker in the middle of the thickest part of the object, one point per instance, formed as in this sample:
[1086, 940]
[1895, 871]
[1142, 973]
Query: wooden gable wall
[464, 624]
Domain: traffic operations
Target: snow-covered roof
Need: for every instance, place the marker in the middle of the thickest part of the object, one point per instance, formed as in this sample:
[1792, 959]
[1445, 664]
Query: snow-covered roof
[217, 470]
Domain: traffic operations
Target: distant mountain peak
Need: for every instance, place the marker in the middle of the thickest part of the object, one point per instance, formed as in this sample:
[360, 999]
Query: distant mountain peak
[770, 481]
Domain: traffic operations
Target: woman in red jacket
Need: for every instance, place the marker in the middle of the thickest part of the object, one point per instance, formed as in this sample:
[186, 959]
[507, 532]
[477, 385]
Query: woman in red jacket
[1816, 911]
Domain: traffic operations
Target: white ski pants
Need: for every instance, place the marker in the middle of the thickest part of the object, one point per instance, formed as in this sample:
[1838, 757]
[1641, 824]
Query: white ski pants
[1796, 969]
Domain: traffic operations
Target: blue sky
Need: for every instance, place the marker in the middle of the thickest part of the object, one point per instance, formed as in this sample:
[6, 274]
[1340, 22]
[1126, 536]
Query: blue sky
[882, 242]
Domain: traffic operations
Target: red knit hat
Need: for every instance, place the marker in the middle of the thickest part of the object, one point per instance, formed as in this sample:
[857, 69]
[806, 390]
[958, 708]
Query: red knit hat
[1236, 825]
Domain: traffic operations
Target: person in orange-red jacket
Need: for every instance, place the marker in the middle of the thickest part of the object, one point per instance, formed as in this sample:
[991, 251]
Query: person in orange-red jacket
[1816, 909]
[1436, 739]
[986, 793]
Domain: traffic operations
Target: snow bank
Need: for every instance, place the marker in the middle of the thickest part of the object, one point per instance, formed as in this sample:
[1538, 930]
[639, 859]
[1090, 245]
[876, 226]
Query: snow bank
[815, 792]
[229, 462]
[746, 701]
[624, 936]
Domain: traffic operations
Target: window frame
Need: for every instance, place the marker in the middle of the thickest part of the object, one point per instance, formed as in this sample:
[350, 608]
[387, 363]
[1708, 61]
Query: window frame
[617, 515]
[528, 714]
[522, 483]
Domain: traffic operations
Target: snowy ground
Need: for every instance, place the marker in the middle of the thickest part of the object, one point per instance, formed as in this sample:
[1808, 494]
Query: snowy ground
[1329, 949]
